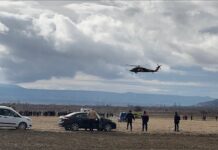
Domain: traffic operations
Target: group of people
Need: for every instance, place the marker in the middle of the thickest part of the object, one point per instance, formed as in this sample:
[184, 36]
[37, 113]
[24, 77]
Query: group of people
[145, 118]
[92, 115]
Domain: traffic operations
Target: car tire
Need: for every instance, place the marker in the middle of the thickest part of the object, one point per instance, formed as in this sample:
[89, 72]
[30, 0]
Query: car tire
[22, 126]
[107, 128]
[100, 129]
[75, 127]
[67, 128]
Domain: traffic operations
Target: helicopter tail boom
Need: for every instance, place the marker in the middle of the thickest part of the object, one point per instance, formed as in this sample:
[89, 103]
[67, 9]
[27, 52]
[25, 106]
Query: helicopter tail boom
[158, 67]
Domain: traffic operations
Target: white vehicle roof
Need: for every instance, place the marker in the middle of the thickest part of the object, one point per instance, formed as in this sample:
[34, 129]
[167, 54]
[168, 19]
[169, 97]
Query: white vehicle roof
[70, 114]
[10, 108]
[6, 107]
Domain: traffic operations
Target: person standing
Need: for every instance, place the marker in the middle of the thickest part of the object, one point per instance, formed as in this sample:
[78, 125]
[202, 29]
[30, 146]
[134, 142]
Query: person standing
[145, 119]
[176, 121]
[129, 118]
[92, 115]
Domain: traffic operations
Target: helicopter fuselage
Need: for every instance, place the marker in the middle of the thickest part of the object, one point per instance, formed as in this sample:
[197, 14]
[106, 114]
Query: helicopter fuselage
[142, 69]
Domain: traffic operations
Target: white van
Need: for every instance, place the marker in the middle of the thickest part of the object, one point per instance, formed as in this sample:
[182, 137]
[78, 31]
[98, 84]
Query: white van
[12, 119]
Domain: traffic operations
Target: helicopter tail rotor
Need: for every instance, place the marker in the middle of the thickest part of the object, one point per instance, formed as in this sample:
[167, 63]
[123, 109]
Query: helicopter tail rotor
[158, 68]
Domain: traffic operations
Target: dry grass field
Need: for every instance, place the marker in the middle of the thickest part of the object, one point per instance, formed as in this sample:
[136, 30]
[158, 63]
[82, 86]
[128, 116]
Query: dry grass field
[156, 125]
[166, 125]
[46, 135]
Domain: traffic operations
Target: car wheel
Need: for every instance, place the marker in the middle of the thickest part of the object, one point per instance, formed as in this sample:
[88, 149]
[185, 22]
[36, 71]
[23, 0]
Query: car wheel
[75, 127]
[107, 128]
[67, 128]
[22, 126]
[100, 129]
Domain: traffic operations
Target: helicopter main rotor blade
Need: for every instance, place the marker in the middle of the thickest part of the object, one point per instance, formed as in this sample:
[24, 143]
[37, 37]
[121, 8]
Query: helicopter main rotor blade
[132, 65]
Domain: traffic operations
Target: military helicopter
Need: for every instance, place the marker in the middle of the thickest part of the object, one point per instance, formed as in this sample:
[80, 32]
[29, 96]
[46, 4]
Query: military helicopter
[138, 68]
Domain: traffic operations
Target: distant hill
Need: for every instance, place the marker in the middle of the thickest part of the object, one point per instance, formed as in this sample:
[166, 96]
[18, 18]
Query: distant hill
[213, 103]
[13, 93]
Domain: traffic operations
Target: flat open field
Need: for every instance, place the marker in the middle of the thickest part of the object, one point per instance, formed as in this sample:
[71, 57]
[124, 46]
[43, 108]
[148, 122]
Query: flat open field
[156, 125]
[46, 135]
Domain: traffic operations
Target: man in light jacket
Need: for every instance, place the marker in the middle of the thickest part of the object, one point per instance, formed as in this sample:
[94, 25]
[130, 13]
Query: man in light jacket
[92, 115]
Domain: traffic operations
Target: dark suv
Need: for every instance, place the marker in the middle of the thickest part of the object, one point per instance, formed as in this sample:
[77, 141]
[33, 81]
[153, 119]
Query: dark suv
[75, 121]
[122, 117]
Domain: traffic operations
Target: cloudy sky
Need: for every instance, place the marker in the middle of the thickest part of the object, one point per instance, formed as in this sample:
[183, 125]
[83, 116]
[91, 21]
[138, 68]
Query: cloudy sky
[85, 45]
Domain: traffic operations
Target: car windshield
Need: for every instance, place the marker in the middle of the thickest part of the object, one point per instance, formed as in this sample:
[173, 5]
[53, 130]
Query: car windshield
[16, 114]
[71, 114]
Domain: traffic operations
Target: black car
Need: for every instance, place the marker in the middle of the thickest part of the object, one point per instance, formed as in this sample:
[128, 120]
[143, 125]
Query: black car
[77, 120]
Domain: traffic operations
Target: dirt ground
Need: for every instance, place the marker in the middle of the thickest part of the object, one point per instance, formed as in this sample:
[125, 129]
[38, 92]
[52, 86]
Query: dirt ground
[84, 140]
[46, 135]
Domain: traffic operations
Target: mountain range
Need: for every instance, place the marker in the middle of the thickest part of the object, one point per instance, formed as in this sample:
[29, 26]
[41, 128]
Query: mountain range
[14, 93]
[213, 103]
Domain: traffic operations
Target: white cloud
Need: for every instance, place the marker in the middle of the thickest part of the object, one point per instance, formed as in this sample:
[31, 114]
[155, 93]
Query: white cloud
[99, 27]
[54, 42]
[83, 81]
[14, 16]
[3, 28]
[88, 8]
[12, 4]
[211, 68]
[3, 50]
[91, 83]
[54, 26]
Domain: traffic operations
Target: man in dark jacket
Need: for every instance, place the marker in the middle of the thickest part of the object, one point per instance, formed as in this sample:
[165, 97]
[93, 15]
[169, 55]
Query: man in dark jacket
[129, 118]
[176, 121]
[145, 119]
